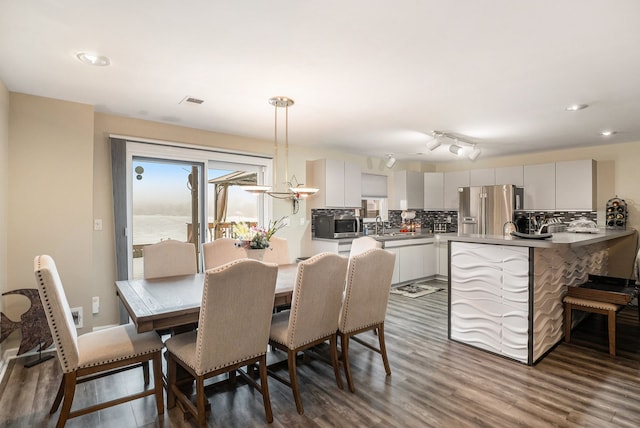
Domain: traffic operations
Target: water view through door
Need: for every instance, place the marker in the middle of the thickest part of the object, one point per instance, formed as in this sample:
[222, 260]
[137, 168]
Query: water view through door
[167, 201]
[165, 204]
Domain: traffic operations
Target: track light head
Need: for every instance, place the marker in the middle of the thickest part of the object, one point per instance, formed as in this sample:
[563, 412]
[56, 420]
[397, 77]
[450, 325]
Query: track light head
[475, 152]
[391, 161]
[455, 149]
[433, 144]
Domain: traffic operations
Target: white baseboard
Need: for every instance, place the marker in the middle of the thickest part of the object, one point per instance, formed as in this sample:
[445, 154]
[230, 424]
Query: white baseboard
[12, 353]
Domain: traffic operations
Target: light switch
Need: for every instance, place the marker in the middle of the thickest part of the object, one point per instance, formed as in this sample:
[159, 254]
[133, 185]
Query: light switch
[97, 224]
[95, 304]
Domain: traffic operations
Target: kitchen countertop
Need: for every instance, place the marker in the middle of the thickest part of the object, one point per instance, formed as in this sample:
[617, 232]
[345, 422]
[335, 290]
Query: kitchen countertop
[559, 239]
[394, 236]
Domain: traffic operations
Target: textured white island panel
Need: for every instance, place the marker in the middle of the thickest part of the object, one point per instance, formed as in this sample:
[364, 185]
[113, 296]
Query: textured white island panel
[490, 298]
[555, 269]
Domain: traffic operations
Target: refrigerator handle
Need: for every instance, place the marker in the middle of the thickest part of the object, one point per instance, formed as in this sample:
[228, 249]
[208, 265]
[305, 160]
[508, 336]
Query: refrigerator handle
[481, 210]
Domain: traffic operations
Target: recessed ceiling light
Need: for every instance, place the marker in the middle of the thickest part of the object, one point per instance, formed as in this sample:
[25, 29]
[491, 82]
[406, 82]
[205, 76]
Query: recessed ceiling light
[607, 133]
[93, 59]
[576, 107]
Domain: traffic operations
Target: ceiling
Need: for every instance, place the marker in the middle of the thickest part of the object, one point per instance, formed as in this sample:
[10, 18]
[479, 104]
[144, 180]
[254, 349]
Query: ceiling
[367, 76]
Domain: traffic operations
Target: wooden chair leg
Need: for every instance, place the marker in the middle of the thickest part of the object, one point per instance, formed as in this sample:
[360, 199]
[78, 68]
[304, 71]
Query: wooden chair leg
[567, 322]
[58, 399]
[157, 381]
[69, 391]
[333, 344]
[293, 379]
[145, 372]
[264, 388]
[171, 381]
[344, 348]
[612, 333]
[201, 398]
[383, 349]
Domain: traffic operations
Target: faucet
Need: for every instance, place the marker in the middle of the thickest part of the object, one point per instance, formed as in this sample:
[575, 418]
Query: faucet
[382, 222]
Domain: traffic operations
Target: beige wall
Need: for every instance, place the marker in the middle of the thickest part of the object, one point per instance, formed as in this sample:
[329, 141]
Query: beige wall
[50, 196]
[4, 189]
[61, 180]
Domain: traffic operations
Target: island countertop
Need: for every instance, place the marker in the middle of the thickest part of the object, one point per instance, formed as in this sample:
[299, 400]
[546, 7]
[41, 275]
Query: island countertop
[559, 239]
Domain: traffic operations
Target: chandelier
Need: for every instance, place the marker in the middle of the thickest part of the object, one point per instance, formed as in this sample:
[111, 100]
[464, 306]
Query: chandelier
[295, 190]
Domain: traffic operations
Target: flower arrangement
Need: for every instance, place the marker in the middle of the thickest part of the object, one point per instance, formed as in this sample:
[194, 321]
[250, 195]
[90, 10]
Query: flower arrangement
[256, 238]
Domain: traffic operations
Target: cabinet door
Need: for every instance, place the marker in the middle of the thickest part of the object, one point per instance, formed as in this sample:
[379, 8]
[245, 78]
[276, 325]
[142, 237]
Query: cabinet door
[510, 175]
[396, 267]
[417, 261]
[540, 186]
[453, 180]
[482, 177]
[411, 260]
[576, 185]
[334, 186]
[352, 185]
[433, 190]
[408, 189]
[442, 249]
[430, 260]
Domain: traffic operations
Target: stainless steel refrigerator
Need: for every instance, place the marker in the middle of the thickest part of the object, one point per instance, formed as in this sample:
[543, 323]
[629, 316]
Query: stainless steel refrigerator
[486, 209]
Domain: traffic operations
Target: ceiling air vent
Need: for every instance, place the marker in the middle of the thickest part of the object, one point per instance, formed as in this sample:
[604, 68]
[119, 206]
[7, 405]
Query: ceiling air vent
[191, 100]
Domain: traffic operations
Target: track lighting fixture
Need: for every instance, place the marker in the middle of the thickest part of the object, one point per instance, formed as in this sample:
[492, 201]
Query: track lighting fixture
[456, 147]
[391, 161]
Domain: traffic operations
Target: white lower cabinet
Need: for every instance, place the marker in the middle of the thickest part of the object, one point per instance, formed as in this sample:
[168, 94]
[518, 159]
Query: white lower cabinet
[415, 259]
[442, 256]
[396, 267]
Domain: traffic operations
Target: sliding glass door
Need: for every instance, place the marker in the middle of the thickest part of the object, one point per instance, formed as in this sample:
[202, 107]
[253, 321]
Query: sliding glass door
[164, 191]
[165, 204]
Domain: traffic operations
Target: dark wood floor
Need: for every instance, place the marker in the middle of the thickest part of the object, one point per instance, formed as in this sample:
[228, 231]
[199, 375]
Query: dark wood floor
[434, 382]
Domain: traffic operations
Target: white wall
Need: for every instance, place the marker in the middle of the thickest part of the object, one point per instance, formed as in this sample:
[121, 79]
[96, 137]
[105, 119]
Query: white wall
[4, 189]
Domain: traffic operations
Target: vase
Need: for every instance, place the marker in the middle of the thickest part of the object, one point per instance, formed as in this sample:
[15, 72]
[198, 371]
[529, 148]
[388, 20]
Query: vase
[256, 253]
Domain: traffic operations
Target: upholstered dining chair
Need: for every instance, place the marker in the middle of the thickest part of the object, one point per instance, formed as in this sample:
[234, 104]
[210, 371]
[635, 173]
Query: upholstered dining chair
[362, 244]
[169, 258]
[221, 251]
[365, 303]
[233, 331]
[313, 317]
[96, 354]
[278, 251]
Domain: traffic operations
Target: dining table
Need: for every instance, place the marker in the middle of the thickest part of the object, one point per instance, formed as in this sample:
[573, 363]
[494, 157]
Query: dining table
[170, 302]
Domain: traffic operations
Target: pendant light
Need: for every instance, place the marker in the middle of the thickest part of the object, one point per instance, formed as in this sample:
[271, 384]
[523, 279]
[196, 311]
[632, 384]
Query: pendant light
[295, 190]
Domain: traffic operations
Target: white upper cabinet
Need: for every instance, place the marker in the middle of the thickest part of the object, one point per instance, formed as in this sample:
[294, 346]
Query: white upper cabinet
[340, 184]
[352, 185]
[482, 177]
[510, 175]
[576, 185]
[433, 190]
[408, 190]
[453, 180]
[540, 186]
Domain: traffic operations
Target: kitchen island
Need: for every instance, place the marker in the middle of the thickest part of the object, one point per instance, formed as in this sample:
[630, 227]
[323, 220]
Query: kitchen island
[505, 293]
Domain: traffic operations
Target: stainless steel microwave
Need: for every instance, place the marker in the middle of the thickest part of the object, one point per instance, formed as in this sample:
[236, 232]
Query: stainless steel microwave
[337, 226]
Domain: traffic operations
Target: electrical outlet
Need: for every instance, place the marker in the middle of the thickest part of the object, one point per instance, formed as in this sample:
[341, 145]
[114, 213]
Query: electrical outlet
[286, 221]
[95, 305]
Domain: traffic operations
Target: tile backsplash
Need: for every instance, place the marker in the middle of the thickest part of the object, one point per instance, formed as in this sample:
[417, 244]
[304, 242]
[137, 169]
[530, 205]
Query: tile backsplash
[442, 221]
